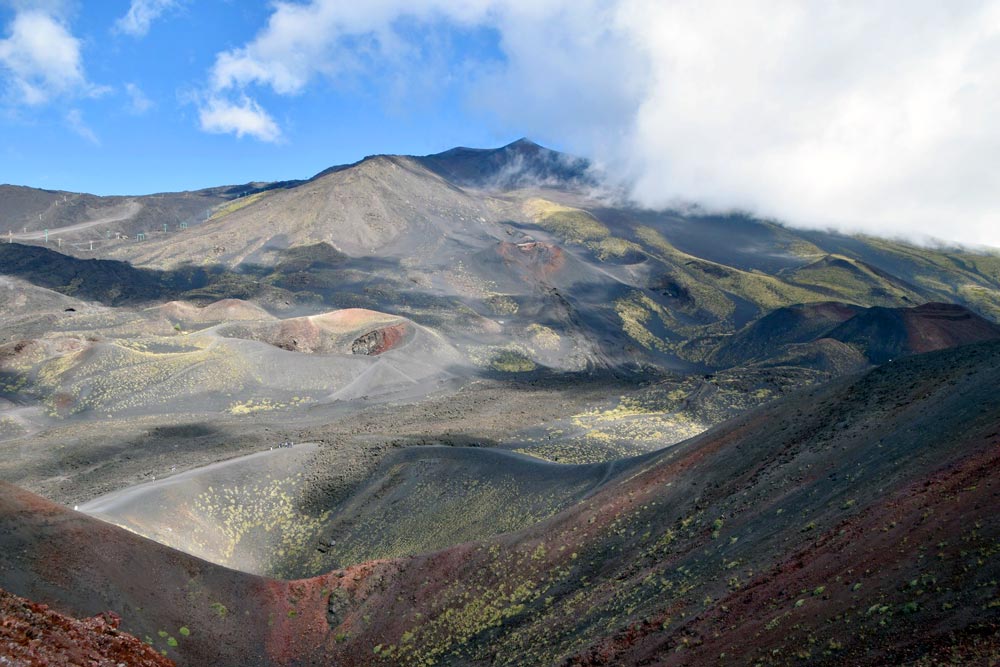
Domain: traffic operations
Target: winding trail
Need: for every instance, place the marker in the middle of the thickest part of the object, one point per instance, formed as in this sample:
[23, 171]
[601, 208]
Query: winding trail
[130, 210]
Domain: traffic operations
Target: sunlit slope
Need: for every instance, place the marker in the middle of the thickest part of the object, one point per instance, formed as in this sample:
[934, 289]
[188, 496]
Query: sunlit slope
[382, 205]
[269, 513]
[240, 367]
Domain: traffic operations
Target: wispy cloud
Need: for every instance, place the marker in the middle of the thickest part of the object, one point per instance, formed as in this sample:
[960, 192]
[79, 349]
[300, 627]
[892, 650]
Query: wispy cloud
[74, 119]
[141, 14]
[138, 102]
[243, 117]
[41, 60]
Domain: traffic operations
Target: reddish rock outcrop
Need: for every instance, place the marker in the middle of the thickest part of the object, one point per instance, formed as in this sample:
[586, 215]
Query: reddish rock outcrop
[32, 634]
[379, 341]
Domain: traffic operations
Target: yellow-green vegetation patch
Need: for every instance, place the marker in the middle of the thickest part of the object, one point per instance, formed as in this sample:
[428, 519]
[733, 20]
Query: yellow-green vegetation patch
[237, 204]
[986, 299]
[13, 384]
[255, 405]
[636, 421]
[572, 225]
[975, 276]
[543, 338]
[502, 304]
[613, 247]
[853, 281]
[512, 359]
[266, 511]
[580, 451]
[767, 292]
[636, 310]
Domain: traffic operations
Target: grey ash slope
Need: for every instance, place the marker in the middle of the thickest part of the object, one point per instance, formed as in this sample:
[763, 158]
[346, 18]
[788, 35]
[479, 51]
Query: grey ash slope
[79, 218]
[522, 282]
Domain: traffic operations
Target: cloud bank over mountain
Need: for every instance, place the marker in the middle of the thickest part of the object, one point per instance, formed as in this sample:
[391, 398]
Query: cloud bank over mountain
[870, 117]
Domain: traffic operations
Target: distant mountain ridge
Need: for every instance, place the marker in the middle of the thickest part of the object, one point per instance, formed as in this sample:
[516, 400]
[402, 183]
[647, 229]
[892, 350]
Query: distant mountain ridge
[492, 246]
[876, 334]
[522, 163]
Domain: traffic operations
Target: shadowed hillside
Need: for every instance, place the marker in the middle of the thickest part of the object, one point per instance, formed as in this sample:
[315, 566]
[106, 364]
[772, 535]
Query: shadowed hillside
[876, 334]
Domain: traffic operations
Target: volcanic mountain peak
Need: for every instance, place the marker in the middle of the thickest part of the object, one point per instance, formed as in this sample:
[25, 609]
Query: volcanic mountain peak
[522, 163]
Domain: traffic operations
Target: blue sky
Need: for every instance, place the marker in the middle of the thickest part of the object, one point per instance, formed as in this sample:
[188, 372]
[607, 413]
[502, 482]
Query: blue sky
[876, 117]
[102, 141]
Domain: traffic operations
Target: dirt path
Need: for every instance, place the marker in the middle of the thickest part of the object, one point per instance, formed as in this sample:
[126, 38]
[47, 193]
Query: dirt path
[116, 501]
[130, 210]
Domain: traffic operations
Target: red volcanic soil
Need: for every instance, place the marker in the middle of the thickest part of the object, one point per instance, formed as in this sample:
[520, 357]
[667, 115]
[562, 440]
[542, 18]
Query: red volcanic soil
[936, 326]
[82, 567]
[32, 635]
[350, 319]
[381, 340]
[536, 259]
[881, 334]
[888, 333]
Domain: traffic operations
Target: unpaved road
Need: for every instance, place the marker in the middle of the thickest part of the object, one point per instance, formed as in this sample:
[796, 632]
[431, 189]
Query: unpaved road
[129, 210]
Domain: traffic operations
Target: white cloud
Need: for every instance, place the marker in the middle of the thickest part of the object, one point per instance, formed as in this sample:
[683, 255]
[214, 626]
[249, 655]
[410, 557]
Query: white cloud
[74, 118]
[41, 59]
[244, 117]
[141, 14]
[867, 116]
[138, 102]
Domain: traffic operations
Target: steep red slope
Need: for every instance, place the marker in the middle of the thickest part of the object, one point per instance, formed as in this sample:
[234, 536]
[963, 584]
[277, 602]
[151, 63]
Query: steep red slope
[83, 567]
[878, 333]
[888, 333]
[32, 635]
[936, 326]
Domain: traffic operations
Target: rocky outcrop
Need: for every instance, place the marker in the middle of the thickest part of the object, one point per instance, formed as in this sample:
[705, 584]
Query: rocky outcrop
[32, 634]
[380, 340]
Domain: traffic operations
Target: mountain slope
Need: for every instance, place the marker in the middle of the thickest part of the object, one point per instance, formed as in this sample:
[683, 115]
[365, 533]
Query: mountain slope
[886, 333]
[878, 334]
[522, 163]
[380, 205]
[491, 246]
[852, 524]
[32, 634]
